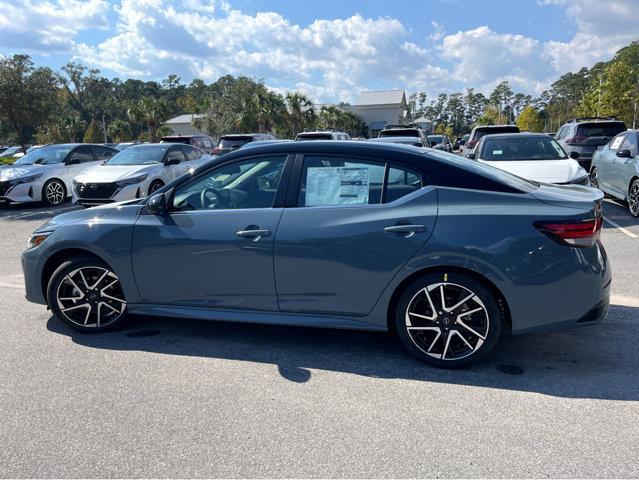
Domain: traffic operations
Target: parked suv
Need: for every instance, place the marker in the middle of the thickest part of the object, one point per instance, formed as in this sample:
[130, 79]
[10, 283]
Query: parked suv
[204, 142]
[322, 135]
[481, 130]
[409, 130]
[231, 142]
[583, 135]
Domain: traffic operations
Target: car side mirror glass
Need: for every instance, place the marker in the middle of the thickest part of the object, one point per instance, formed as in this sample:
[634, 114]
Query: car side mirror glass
[574, 155]
[471, 156]
[159, 204]
[625, 153]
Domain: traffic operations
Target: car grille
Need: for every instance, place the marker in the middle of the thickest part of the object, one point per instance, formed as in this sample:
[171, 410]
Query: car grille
[4, 188]
[96, 190]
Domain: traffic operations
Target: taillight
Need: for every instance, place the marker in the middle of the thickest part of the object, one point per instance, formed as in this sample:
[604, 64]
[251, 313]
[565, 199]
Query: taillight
[581, 234]
[216, 150]
[575, 139]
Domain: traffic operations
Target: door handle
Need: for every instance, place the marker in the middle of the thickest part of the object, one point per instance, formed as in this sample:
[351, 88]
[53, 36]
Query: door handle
[409, 229]
[255, 233]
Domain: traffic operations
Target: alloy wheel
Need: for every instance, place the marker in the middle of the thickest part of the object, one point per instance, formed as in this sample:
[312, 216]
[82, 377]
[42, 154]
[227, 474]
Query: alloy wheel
[594, 179]
[91, 297]
[54, 193]
[155, 187]
[447, 321]
[633, 198]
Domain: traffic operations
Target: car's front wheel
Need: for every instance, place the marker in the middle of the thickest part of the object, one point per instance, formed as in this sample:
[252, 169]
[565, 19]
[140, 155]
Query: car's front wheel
[54, 192]
[448, 320]
[87, 295]
[155, 186]
[633, 198]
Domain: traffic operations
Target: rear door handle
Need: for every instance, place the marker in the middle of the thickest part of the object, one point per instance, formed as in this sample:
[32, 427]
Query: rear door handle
[256, 233]
[410, 229]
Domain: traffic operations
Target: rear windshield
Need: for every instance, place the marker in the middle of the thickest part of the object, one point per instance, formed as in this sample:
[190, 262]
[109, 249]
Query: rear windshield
[234, 142]
[435, 138]
[521, 148]
[600, 129]
[480, 132]
[186, 140]
[399, 132]
[313, 136]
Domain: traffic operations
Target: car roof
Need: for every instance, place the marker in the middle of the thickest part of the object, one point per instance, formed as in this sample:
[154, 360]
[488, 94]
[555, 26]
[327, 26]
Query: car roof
[516, 135]
[490, 127]
[164, 145]
[242, 135]
[185, 136]
[394, 139]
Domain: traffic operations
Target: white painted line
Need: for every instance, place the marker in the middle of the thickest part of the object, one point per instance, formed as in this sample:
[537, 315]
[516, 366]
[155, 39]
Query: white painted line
[620, 228]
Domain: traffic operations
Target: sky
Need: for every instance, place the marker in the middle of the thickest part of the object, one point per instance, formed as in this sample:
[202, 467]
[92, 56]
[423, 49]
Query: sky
[331, 49]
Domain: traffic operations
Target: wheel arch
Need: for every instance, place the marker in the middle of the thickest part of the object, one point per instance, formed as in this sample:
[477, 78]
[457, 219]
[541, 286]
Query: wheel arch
[397, 293]
[58, 258]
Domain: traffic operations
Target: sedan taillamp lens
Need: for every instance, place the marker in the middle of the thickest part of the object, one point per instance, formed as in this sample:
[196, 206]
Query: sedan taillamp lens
[582, 234]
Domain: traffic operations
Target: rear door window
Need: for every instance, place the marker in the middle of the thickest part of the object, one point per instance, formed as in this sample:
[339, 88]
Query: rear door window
[401, 182]
[191, 153]
[616, 142]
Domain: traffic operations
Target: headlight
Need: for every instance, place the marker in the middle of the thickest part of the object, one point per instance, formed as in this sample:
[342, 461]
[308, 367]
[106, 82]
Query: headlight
[132, 181]
[28, 179]
[585, 180]
[37, 238]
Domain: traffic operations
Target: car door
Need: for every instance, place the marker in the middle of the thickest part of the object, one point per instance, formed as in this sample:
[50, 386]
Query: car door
[346, 232]
[609, 171]
[77, 162]
[626, 167]
[174, 163]
[214, 248]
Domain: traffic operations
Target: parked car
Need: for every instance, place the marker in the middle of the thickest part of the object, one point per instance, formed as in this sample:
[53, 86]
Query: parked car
[445, 251]
[136, 172]
[231, 142]
[408, 130]
[583, 135]
[124, 145]
[265, 142]
[9, 152]
[481, 130]
[203, 142]
[45, 174]
[456, 143]
[615, 169]
[440, 142]
[534, 156]
[322, 135]
[413, 141]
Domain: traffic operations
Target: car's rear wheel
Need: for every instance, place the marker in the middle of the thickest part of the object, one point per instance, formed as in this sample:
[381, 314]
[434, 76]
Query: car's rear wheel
[87, 295]
[155, 186]
[633, 198]
[54, 192]
[448, 320]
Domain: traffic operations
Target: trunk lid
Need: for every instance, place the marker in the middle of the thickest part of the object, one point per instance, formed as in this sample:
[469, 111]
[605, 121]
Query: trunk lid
[571, 196]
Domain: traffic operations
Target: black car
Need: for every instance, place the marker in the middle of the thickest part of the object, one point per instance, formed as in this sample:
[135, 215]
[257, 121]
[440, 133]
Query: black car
[235, 141]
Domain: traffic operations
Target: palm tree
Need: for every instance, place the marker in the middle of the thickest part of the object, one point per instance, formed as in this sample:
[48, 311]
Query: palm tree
[299, 111]
[151, 112]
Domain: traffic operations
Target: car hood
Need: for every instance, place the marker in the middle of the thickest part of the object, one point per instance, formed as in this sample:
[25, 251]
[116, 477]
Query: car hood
[547, 171]
[113, 173]
[11, 172]
[89, 214]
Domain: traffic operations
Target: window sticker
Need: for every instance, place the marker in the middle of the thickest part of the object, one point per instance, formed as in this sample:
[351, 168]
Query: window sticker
[497, 152]
[336, 186]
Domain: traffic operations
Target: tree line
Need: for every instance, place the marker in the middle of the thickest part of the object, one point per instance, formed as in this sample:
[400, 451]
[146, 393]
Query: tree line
[39, 105]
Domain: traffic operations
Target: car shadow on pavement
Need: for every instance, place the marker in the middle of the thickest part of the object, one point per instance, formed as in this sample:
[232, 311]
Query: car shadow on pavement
[599, 361]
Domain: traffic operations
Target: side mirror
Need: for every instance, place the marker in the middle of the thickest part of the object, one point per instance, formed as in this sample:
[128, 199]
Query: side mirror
[72, 161]
[471, 156]
[574, 155]
[625, 153]
[158, 204]
[171, 161]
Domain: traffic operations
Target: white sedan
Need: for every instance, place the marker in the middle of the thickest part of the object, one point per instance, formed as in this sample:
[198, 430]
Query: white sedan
[45, 174]
[534, 156]
[136, 172]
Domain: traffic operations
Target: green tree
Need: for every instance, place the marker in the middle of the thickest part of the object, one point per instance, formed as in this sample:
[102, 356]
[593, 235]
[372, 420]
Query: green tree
[529, 120]
[94, 133]
[27, 96]
[119, 130]
[300, 114]
[150, 112]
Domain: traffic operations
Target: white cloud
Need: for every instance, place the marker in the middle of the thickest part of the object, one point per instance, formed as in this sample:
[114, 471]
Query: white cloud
[48, 27]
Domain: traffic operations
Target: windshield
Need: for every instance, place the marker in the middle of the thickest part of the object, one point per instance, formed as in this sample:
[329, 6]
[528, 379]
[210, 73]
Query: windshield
[138, 156]
[45, 155]
[10, 150]
[521, 148]
[600, 129]
[435, 138]
[480, 132]
[397, 132]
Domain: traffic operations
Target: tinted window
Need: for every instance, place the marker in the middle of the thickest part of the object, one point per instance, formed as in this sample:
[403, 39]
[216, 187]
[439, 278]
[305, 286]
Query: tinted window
[600, 129]
[191, 153]
[186, 140]
[404, 132]
[45, 155]
[246, 184]
[176, 154]
[102, 153]
[401, 182]
[234, 142]
[330, 181]
[314, 136]
[521, 148]
[82, 155]
[435, 138]
[480, 132]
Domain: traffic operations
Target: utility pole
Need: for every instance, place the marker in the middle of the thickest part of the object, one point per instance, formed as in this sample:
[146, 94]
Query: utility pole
[104, 130]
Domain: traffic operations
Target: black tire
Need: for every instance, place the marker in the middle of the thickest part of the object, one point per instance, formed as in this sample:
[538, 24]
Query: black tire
[633, 198]
[106, 305]
[54, 192]
[470, 336]
[155, 186]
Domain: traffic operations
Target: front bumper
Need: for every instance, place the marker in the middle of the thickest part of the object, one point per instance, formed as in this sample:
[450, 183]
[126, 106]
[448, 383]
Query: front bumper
[23, 193]
[105, 193]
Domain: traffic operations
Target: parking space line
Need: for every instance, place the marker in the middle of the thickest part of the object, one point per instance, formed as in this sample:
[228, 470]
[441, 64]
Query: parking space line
[620, 228]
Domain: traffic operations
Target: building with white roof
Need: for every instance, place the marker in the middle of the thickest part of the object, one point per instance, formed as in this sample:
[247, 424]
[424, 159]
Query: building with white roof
[381, 108]
[183, 124]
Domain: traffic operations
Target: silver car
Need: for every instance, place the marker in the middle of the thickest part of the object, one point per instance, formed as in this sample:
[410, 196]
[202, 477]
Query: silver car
[45, 174]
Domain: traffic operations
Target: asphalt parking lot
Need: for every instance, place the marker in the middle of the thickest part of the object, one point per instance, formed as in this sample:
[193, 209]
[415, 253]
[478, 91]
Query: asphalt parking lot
[176, 398]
